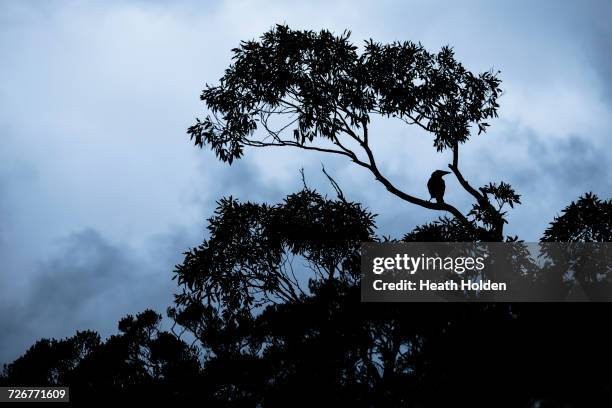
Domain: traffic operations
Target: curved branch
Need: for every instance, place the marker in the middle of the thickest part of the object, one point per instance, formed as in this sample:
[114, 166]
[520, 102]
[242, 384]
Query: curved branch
[256, 143]
[480, 198]
[399, 193]
[419, 201]
[455, 169]
[370, 165]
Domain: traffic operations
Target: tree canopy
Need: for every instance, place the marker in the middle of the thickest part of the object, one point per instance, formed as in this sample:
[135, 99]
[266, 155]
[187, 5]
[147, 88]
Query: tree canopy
[264, 333]
[315, 91]
[587, 220]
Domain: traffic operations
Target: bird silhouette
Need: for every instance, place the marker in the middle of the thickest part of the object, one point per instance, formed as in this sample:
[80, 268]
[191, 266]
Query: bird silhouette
[436, 185]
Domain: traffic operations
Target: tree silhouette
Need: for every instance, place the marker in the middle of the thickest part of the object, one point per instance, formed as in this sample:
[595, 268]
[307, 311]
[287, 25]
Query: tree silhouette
[247, 305]
[274, 336]
[586, 220]
[569, 342]
[314, 91]
[142, 363]
[50, 362]
[583, 223]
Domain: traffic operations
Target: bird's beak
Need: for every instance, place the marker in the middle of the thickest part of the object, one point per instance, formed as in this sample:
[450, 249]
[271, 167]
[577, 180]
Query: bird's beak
[446, 172]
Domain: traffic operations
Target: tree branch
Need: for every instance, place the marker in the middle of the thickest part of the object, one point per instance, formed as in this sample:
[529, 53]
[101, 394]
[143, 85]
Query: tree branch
[455, 169]
[407, 197]
[334, 184]
[480, 198]
[372, 166]
[255, 143]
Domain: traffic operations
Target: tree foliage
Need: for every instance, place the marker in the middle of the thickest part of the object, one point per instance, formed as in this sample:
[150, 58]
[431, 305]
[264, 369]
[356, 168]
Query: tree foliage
[329, 87]
[316, 91]
[127, 366]
[323, 344]
[588, 219]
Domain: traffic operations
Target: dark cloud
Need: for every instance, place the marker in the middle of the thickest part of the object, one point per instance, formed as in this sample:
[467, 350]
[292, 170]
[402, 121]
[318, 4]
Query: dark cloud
[573, 164]
[600, 53]
[596, 41]
[89, 283]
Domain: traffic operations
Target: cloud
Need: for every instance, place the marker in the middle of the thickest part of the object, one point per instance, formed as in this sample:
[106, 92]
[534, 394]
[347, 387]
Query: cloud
[89, 283]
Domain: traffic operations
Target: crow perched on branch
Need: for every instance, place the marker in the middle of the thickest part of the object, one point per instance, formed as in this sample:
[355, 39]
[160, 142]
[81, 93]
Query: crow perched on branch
[436, 185]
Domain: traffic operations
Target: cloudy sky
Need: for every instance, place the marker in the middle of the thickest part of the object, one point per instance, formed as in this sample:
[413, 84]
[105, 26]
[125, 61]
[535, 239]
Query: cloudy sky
[101, 192]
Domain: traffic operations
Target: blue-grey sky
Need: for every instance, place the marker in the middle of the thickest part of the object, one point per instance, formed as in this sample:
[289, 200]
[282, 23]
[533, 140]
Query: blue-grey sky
[101, 192]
